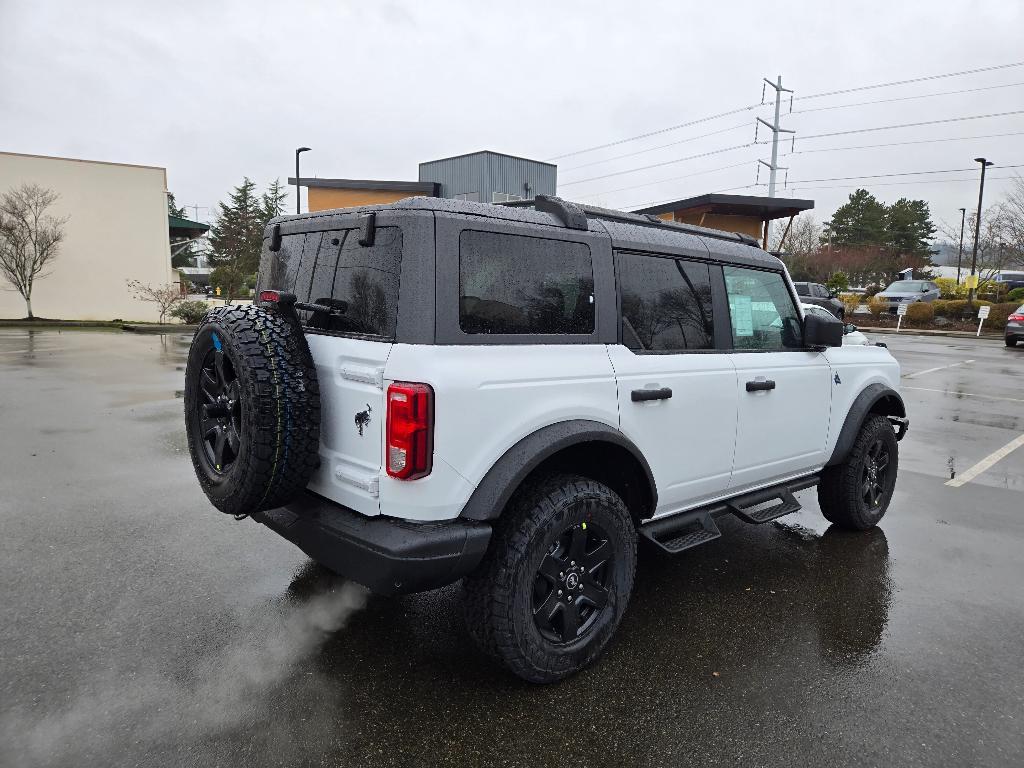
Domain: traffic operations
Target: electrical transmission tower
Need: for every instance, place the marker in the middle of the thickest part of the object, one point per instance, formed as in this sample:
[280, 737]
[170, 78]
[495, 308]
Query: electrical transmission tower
[773, 166]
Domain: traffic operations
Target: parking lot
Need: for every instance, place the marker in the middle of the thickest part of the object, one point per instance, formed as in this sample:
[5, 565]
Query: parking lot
[140, 626]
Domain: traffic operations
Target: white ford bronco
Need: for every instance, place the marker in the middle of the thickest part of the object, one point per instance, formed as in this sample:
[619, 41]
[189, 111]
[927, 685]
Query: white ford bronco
[515, 395]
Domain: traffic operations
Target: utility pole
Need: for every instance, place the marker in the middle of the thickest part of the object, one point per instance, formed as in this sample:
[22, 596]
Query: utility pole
[977, 229]
[298, 181]
[960, 256]
[776, 130]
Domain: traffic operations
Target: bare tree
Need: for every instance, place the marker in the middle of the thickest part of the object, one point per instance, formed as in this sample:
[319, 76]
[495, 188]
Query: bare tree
[164, 296]
[29, 238]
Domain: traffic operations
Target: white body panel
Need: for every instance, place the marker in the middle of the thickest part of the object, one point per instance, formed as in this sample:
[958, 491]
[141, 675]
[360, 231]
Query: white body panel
[486, 399]
[351, 376]
[688, 439]
[858, 367]
[780, 431]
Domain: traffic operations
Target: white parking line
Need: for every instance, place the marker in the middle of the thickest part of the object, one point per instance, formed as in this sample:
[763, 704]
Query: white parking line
[986, 463]
[965, 394]
[933, 370]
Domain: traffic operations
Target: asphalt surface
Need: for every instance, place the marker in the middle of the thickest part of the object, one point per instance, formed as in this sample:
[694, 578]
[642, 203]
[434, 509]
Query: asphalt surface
[138, 626]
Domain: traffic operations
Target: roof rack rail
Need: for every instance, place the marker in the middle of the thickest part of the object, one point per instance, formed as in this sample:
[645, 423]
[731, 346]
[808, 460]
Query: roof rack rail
[575, 215]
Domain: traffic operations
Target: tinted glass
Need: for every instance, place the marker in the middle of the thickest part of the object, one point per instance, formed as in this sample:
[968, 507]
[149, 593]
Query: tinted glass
[905, 286]
[516, 284]
[761, 310]
[802, 289]
[358, 283]
[821, 291]
[666, 303]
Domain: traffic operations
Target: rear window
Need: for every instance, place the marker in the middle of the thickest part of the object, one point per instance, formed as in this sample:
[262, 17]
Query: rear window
[524, 285]
[357, 285]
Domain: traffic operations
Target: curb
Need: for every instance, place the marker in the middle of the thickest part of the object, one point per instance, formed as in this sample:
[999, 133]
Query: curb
[927, 332]
[157, 328]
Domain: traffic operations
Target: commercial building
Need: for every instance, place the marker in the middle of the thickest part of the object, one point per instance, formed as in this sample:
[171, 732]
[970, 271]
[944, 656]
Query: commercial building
[486, 177]
[116, 231]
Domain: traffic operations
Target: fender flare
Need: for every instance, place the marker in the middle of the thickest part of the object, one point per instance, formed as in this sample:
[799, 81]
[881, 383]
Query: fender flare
[505, 475]
[876, 398]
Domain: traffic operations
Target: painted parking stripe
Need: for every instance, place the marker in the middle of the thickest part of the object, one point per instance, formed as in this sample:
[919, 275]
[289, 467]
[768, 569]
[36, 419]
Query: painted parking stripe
[986, 463]
[933, 370]
[965, 394]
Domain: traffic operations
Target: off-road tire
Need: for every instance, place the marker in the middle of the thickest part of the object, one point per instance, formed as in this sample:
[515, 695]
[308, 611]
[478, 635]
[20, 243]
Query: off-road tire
[840, 492]
[1011, 342]
[499, 593]
[276, 411]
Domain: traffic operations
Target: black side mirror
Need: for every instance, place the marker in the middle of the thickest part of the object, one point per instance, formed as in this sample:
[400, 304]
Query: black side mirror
[821, 331]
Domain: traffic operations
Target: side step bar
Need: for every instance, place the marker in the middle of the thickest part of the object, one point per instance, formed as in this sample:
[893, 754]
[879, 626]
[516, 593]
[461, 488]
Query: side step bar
[689, 529]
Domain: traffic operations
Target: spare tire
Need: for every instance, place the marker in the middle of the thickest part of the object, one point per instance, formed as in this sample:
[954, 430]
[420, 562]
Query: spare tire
[252, 409]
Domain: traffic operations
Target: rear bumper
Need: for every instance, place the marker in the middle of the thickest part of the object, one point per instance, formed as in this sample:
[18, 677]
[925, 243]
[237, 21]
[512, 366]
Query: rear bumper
[388, 555]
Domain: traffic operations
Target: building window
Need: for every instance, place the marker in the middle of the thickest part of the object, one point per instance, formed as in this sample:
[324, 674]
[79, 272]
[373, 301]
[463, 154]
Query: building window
[473, 197]
[504, 197]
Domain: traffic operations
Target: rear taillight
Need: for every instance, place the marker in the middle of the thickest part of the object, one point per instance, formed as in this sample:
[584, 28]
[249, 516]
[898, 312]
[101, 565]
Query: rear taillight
[1016, 318]
[410, 430]
[271, 297]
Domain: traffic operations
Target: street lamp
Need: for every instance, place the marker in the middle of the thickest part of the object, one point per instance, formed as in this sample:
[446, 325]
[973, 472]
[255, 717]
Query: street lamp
[298, 187]
[960, 255]
[977, 228]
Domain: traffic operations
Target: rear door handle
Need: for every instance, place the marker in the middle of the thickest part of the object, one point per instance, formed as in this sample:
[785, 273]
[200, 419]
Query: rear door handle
[642, 395]
[760, 385]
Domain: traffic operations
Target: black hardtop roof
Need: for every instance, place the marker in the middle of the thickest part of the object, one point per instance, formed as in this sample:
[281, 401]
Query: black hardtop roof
[624, 228]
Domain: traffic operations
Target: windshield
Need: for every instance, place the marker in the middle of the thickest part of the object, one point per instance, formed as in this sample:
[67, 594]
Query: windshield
[905, 286]
[802, 289]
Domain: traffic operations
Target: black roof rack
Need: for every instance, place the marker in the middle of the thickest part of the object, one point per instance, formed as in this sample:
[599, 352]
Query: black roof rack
[575, 215]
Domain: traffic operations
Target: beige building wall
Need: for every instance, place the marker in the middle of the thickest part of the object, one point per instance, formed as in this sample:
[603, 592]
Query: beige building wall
[116, 231]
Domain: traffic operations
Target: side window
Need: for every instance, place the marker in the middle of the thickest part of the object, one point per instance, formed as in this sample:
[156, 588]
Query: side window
[529, 285]
[762, 311]
[803, 289]
[666, 303]
[820, 291]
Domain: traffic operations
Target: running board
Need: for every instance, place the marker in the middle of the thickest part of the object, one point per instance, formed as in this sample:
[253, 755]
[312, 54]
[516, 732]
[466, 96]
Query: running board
[757, 507]
[686, 530]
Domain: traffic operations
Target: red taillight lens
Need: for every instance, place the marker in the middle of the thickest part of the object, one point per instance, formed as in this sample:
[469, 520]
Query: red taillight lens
[1016, 318]
[409, 448]
[271, 296]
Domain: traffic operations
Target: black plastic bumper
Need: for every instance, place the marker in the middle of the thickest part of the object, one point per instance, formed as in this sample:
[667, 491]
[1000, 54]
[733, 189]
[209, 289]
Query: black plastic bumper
[388, 555]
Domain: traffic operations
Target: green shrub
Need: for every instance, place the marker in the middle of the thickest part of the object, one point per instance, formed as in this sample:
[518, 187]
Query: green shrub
[949, 289]
[838, 282]
[877, 306]
[190, 312]
[999, 313]
[1017, 294]
[919, 313]
[850, 302]
[954, 309]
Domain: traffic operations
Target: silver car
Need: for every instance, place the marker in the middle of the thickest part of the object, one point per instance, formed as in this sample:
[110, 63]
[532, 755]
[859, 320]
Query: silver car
[907, 292]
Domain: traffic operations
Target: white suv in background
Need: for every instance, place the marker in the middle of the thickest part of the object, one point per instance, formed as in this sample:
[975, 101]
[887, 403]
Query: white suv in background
[513, 395]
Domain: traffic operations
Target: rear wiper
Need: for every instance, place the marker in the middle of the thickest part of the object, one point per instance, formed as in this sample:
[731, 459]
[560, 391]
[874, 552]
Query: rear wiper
[329, 306]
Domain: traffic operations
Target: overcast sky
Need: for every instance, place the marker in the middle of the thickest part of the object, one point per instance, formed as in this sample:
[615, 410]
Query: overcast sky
[217, 90]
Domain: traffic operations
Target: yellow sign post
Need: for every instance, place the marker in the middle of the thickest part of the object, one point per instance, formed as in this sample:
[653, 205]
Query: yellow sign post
[971, 281]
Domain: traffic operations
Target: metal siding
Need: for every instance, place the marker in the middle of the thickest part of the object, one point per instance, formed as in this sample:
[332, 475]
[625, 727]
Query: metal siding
[486, 173]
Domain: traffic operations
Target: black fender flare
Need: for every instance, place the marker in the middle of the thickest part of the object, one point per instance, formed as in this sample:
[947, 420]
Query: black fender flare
[506, 474]
[876, 398]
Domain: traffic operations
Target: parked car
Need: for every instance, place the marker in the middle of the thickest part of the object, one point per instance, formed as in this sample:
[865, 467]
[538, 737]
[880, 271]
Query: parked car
[816, 293]
[907, 292]
[1015, 327]
[1011, 280]
[851, 336]
[436, 390]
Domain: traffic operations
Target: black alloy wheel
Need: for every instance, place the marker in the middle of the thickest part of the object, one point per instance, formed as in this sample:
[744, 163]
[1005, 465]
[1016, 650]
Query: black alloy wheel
[570, 588]
[875, 474]
[220, 409]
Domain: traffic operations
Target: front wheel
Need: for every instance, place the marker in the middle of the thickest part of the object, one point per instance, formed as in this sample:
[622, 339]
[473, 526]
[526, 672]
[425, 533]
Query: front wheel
[1011, 342]
[556, 579]
[856, 493]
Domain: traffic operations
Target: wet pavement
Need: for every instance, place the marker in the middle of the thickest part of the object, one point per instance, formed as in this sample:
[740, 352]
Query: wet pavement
[138, 626]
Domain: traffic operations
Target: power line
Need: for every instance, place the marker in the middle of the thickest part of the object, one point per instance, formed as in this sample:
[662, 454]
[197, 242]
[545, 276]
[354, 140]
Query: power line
[665, 181]
[911, 125]
[906, 98]
[904, 143]
[657, 165]
[973, 179]
[888, 175]
[751, 107]
[912, 80]
[744, 124]
[635, 206]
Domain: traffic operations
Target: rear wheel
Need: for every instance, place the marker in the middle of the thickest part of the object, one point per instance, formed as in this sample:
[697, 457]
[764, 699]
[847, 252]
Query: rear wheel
[556, 579]
[1011, 342]
[856, 493]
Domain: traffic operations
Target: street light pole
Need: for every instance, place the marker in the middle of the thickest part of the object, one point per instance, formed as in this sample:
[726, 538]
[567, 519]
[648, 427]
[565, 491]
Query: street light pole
[298, 187]
[960, 255]
[977, 228]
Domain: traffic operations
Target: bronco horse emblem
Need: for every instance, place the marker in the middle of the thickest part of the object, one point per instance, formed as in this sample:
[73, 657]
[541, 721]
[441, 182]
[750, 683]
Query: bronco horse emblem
[363, 418]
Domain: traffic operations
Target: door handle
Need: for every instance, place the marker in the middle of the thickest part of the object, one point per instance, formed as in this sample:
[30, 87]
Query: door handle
[642, 395]
[760, 385]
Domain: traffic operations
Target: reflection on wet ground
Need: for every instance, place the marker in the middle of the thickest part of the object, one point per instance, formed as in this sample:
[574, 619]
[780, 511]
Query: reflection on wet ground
[139, 626]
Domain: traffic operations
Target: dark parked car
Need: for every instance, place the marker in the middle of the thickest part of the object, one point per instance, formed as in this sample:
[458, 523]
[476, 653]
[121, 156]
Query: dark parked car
[816, 293]
[1015, 327]
[1011, 280]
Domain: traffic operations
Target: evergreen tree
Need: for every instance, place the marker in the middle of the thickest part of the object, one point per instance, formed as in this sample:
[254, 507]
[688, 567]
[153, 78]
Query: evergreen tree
[909, 227]
[172, 207]
[861, 221]
[183, 254]
[236, 238]
[273, 200]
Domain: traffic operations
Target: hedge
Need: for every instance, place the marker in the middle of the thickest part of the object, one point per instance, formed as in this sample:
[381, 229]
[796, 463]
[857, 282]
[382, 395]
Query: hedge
[1017, 294]
[954, 309]
[999, 313]
[920, 313]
